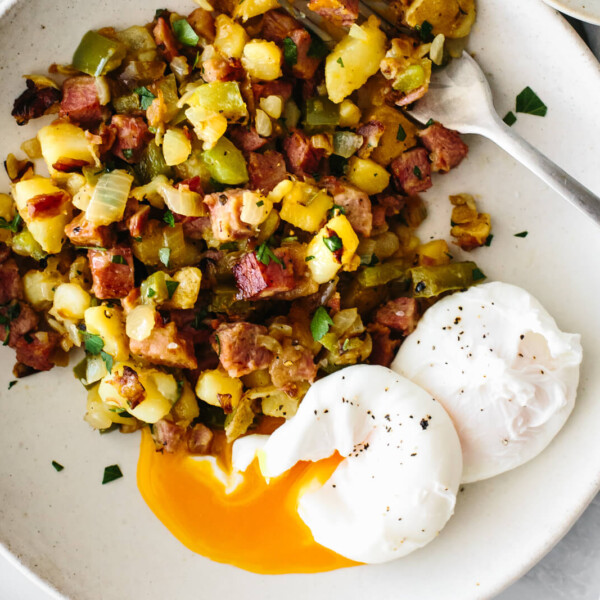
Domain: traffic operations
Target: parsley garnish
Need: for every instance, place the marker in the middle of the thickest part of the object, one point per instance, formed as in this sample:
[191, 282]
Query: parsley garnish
[333, 242]
[528, 102]
[93, 343]
[196, 60]
[111, 473]
[320, 323]
[336, 209]
[318, 48]
[425, 31]
[146, 97]
[171, 287]
[217, 339]
[289, 239]
[137, 238]
[185, 33]
[12, 384]
[265, 255]
[159, 13]
[118, 260]
[108, 360]
[128, 152]
[169, 218]
[151, 292]
[290, 51]
[478, 274]
[57, 466]
[309, 258]
[401, 135]
[260, 203]
[523, 234]
[13, 225]
[509, 118]
[164, 255]
[340, 62]
[488, 240]
[417, 172]
[346, 344]
[429, 123]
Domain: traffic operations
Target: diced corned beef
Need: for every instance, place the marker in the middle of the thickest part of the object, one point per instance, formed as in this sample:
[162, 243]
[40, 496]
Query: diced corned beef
[138, 220]
[166, 346]
[391, 203]
[446, 147]
[403, 98]
[305, 285]
[356, 204]
[18, 319]
[165, 39]
[279, 87]
[371, 132]
[266, 170]
[238, 347]
[11, 286]
[34, 102]
[256, 280]
[225, 214]
[69, 165]
[47, 205]
[378, 216]
[36, 350]
[132, 136]
[222, 69]
[277, 25]
[194, 184]
[294, 364]
[334, 303]
[103, 139]
[400, 315]
[167, 435]
[301, 157]
[412, 171]
[4, 252]
[81, 102]
[203, 23]
[187, 323]
[130, 387]
[247, 140]
[112, 276]
[199, 439]
[306, 66]
[384, 347]
[196, 227]
[339, 12]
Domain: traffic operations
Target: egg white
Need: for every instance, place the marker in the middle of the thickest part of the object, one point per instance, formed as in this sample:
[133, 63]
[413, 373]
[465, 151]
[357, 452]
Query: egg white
[497, 362]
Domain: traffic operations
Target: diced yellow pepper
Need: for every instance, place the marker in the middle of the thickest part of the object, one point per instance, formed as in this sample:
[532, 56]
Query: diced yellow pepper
[305, 206]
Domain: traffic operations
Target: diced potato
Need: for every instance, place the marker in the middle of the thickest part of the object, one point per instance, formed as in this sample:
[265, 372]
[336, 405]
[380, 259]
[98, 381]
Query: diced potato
[306, 206]
[238, 421]
[209, 130]
[434, 253]
[230, 37]
[186, 293]
[246, 9]
[255, 208]
[349, 114]
[276, 403]
[48, 232]
[262, 60]
[354, 60]
[326, 263]
[256, 379]
[39, 288]
[176, 147]
[99, 415]
[186, 409]
[140, 322]
[70, 302]
[453, 18]
[107, 322]
[64, 140]
[394, 140]
[7, 207]
[218, 389]
[367, 175]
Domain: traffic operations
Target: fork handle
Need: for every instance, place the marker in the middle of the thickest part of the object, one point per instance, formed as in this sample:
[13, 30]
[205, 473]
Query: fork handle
[558, 179]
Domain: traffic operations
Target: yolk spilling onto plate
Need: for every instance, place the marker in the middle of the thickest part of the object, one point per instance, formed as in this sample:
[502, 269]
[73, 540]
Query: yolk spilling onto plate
[255, 527]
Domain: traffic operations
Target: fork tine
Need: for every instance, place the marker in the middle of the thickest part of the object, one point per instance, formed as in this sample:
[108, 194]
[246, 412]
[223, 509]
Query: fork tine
[368, 7]
[310, 20]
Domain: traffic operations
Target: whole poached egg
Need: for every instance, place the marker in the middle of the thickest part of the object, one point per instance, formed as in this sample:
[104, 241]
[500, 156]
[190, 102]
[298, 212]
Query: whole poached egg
[498, 363]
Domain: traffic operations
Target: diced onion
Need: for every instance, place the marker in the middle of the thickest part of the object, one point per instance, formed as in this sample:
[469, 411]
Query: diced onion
[436, 52]
[109, 198]
[272, 105]
[182, 201]
[264, 125]
[103, 90]
[140, 322]
[95, 369]
[176, 147]
[358, 32]
[255, 208]
[204, 4]
[269, 342]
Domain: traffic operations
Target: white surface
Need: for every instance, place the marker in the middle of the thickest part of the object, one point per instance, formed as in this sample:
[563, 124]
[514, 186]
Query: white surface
[101, 541]
[584, 10]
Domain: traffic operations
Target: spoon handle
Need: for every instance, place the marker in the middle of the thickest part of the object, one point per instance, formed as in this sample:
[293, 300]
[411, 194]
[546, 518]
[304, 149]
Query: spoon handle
[544, 168]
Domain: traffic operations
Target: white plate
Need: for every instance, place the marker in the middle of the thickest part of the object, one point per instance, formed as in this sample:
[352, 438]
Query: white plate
[584, 10]
[91, 541]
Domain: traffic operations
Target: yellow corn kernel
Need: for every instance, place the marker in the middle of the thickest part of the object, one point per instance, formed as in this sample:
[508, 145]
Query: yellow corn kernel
[349, 114]
[107, 322]
[367, 175]
[230, 37]
[218, 389]
[176, 147]
[262, 60]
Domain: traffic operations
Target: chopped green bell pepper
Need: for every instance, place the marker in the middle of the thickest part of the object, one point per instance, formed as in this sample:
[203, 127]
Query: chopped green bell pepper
[226, 163]
[97, 55]
[433, 281]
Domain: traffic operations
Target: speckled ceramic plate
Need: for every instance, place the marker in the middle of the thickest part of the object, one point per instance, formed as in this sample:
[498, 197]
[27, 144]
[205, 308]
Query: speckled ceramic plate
[90, 541]
[584, 10]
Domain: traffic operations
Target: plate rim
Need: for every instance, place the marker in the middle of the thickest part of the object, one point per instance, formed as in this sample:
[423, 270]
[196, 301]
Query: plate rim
[577, 13]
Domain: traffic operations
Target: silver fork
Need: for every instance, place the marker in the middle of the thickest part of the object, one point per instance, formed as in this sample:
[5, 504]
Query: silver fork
[460, 98]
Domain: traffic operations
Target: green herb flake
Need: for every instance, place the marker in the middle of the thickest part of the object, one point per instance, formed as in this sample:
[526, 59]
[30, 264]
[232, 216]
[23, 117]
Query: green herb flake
[169, 218]
[333, 242]
[429, 123]
[417, 172]
[346, 344]
[528, 102]
[522, 234]
[11, 384]
[164, 255]
[320, 323]
[185, 33]
[117, 259]
[93, 343]
[111, 473]
[309, 258]
[340, 62]
[265, 255]
[510, 118]
[401, 135]
[137, 238]
[146, 97]
[478, 274]
[290, 51]
[425, 31]
[488, 240]
[13, 225]
[128, 153]
[318, 48]
[151, 292]
[159, 13]
[336, 209]
[171, 287]
[57, 466]
[232, 246]
[260, 203]
[196, 60]
[108, 360]
[218, 340]
[289, 239]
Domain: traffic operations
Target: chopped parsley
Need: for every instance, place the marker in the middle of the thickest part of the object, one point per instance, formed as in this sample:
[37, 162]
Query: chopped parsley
[340, 62]
[320, 323]
[196, 60]
[185, 33]
[118, 260]
[169, 218]
[12, 225]
[346, 344]
[425, 31]
[128, 153]
[57, 466]
[290, 51]
[265, 255]
[11, 384]
[336, 209]
[488, 240]
[333, 242]
[318, 48]
[401, 135]
[289, 239]
[159, 13]
[260, 203]
[478, 274]
[171, 287]
[417, 172]
[111, 473]
[309, 258]
[218, 340]
[93, 343]
[510, 118]
[522, 234]
[146, 97]
[528, 102]
[164, 255]
[108, 360]
[151, 292]
[429, 123]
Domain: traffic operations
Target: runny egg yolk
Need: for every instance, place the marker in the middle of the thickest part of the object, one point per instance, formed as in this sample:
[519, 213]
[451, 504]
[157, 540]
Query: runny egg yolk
[255, 527]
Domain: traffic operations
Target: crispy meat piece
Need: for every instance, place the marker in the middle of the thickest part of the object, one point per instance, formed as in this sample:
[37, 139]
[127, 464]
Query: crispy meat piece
[279, 87]
[392, 203]
[412, 171]
[266, 170]
[238, 347]
[16, 320]
[4, 252]
[81, 102]
[130, 387]
[11, 286]
[247, 140]
[219, 68]
[36, 350]
[112, 276]
[69, 165]
[167, 435]
[306, 66]
[301, 157]
[199, 439]
[132, 135]
[446, 147]
[400, 315]
[47, 205]
[203, 24]
[356, 204]
[167, 44]
[277, 25]
[196, 227]
[294, 364]
[137, 220]
[166, 346]
[384, 348]
[371, 132]
[225, 214]
[339, 12]
[378, 216]
[82, 232]
[34, 102]
[256, 280]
